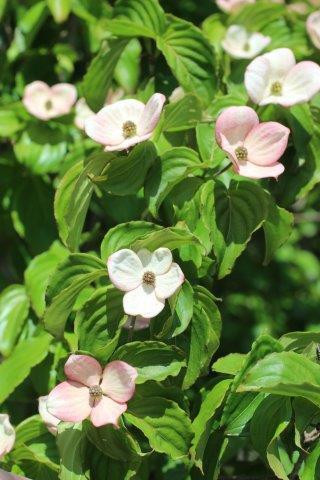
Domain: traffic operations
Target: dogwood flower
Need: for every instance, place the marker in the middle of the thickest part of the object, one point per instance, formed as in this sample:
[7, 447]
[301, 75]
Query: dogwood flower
[140, 323]
[230, 6]
[147, 278]
[125, 123]
[313, 28]
[10, 476]
[7, 435]
[91, 392]
[83, 111]
[176, 95]
[46, 102]
[276, 78]
[50, 421]
[254, 148]
[240, 43]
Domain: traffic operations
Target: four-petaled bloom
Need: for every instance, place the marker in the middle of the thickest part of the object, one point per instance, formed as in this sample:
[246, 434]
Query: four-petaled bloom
[50, 421]
[46, 102]
[7, 435]
[313, 28]
[147, 278]
[254, 148]
[91, 392]
[10, 476]
[125, 123]
[240, 43]
[276, 78]
[230, 6]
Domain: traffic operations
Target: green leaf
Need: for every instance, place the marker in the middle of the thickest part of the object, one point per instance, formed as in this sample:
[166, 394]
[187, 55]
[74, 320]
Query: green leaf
[21, 364]
[137, 18]
[38, 272]
[299, 341]
[277, 229]
[230, 364]
[127, 70]
[60, 9]
[98, 78]
[173, 166]
[11, 118]
[71, 442]
[239, 211]
[171, 237]
[255, 17]
[153, 360]
[166, 426]
[210, 152]
[98, 323]
[181, 305]
[14, 309]
[190, 57]
[182, 115]
[124, 235]
[241, 415]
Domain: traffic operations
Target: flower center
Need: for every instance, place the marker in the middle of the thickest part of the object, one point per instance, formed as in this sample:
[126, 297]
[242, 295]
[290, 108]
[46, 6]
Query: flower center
[129, 129]
[276, 88]
[149, 278]
[48, 105]
[95, 392]
[246, 47]
[241, 153]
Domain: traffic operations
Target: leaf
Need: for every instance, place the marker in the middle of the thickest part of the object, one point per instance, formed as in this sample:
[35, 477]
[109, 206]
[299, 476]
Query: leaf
[257, 16]
[166, 426]
[182, 115]
[60, 9]
[124, 235]
[127, 70]
[239, 211]
[137, 18]
[190, 57]
[277, 229]
[71, 442]
[11, 117]
[14, 309]
[230, 364]
[98, 78]
[98, 323]
[240, 417]
[153, 360]
[21, 364]
[38, 272]
[299, 341]
[173, 166]
[171, 237]
[210, 152]
[182, 310]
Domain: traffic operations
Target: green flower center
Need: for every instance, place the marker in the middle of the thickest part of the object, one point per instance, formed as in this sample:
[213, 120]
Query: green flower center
[241, 153]
[129, 129]
[95, 392]
[149, 278]
[48, 105]
[276, 88]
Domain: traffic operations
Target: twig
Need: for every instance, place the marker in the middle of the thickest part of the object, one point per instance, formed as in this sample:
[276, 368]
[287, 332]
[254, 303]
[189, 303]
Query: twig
[131, 327]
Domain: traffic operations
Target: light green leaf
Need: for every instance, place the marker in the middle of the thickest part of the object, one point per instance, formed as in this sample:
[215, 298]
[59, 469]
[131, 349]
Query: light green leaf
[127, 70]
[181, 305]
[230, 364]
[60, 9]
[210, 152]
[243, 412]
[255, 17]
[14, 309]
[71, 442]
[171, 237]
[11, 118]
[182, 115]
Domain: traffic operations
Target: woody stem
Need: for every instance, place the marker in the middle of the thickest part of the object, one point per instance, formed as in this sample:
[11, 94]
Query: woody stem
[132, 319]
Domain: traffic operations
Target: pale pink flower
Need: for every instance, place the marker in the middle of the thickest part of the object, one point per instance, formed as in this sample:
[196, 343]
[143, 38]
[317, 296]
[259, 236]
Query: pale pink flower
[313, 28]
[46, 102]
[50, 421]
[254, 148]
[7, 435]
[240, 43]
[125, 123]
[231, 6]
[82, 112]
[91, 392]
[298, 7]
[140, 323]
[276, 78]
[176, 95]
[114, 96]
[147, 278]
[10, 476]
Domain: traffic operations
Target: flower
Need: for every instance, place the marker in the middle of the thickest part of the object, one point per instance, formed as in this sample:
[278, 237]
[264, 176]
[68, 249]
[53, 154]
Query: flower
[176, 95]
[240, 43]
[147, 278]
[125, 123]
[140, 323]
[313, 28]
[7, 435]
[276, 78]
[10, 476]
[46, 102]
[254, 148]
[91, 392]
[50, 421]
[83, 111]
[232, 5]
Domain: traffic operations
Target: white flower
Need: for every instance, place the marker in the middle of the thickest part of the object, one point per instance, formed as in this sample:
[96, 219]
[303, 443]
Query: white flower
[231, 6]
[125, 123]
[147, 278]
[176, 95]
[7, 435]
[50, 421]
[140, 323]
[313, 28]
[83, 111]
[46, 102]
[240, 43]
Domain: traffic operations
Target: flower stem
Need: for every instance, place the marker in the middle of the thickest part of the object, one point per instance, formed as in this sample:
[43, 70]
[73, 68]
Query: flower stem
[132, 319]
[224, 169]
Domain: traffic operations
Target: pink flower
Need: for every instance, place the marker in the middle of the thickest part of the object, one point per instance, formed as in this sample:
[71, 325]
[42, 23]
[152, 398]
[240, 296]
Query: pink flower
[147, 278]
[240, 43]
[254, 148]
[50, 421]
[140, 324]
[10, 476]
[231, 6]
[313, 28]
[46, 102]
[276, 78]
[83, 111]
[7, 435]
[91, 392]
[125, 123]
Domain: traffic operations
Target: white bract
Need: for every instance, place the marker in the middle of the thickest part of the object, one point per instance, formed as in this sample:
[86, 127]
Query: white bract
[147, 278]
[50, 421]
[240, 43]
[7, 435]
[313, 28]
